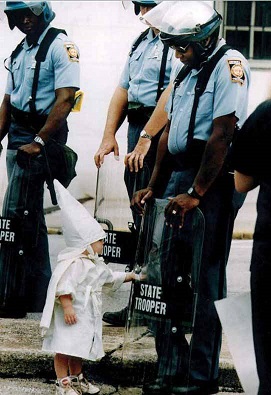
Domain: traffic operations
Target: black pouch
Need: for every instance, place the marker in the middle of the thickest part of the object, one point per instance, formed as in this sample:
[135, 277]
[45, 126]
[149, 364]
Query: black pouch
[61, 161]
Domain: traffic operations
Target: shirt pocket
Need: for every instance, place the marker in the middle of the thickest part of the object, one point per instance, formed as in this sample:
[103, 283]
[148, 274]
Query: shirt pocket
[152, 64]
[135, 64]
[44, 74]
[16, 72]
[183, 98]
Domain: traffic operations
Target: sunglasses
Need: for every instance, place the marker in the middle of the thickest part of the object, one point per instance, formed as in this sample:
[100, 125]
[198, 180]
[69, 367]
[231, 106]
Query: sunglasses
[180, 49]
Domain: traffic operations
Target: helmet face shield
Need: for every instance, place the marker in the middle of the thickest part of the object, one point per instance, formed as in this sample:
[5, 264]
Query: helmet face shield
[191, 21]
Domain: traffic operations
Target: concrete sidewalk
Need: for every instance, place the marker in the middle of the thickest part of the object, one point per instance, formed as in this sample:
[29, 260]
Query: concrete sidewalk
[21, 356]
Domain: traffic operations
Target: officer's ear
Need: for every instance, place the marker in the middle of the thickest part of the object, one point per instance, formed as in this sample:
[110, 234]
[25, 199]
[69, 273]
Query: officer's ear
[206, 42]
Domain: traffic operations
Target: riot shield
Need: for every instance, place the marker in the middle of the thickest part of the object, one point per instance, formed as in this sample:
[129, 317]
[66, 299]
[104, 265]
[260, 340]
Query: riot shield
[163, 300]
[112, 210]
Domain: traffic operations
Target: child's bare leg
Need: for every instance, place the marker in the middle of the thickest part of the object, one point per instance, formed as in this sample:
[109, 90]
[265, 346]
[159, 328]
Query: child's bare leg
[75, 366]
[61, 363]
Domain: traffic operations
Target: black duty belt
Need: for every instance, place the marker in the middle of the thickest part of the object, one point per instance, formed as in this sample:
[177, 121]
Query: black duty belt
[27, 119]
[141, 112]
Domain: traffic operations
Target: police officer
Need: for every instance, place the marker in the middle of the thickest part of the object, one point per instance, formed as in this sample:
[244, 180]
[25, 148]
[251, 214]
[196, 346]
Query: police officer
[136, 97]
[137, 93]
[251, 157]
[200, 178]
[29, 123]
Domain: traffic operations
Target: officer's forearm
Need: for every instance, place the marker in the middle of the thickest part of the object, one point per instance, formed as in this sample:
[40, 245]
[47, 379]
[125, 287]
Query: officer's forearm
[215, 153]
[117, 112]
[162, 151]
[159, 116]
[244, 183]
[4, 116]
[58, 114]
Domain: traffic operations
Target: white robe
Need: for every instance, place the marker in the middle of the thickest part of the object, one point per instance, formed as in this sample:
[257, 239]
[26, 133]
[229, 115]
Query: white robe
[84, 279]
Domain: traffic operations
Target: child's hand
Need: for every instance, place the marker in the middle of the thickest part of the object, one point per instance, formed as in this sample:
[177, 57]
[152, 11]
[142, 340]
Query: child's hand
[69, 315]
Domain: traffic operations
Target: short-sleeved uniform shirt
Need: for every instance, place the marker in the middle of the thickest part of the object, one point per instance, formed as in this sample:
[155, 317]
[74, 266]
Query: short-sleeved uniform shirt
[251, 156]
[226, 93]
[59, 70]
[142, 69]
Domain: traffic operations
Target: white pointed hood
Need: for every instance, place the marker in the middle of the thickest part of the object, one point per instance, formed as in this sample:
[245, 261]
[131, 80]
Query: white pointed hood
[80, 229]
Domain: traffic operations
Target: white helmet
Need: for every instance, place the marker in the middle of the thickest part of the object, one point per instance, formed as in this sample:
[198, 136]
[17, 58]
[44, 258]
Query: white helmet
[190, 21]
[36, 7]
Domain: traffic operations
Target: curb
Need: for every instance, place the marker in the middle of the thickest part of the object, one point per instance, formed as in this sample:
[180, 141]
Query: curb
[111, 368]
[128, 360]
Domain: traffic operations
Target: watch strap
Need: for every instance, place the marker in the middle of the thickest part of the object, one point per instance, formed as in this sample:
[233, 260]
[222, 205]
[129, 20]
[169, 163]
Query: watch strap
[193, 193]
[145, 135]
[39, 140]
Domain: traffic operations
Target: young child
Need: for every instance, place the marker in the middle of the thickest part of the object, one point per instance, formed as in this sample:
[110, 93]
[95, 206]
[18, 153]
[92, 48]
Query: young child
[72, 319]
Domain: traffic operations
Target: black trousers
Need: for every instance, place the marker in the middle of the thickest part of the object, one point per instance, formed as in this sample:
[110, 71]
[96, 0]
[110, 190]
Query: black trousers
[261, 318]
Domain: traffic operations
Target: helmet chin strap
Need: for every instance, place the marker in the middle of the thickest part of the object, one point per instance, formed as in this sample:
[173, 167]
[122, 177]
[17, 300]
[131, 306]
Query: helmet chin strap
[202, 52]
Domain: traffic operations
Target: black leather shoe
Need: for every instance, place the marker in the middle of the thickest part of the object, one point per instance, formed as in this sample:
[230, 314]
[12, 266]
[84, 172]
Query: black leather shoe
[197, 388]
[157, 387]
[117, 318]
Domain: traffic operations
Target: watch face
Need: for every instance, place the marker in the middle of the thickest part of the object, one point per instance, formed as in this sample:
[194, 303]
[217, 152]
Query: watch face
[145, 135]
[190, 190]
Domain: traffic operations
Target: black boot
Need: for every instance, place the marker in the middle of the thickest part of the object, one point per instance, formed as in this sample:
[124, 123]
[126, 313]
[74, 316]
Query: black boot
[116, 318]
[157, 387]
[196, 388]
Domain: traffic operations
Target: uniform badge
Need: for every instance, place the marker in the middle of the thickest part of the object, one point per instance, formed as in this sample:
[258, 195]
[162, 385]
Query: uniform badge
[72, 52]
[237, 71]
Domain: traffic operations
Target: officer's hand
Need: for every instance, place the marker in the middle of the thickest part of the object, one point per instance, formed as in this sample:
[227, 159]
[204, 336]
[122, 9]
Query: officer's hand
[177, 208]
[139, 199]
[32, 149]
[134, 160]
[108, 145]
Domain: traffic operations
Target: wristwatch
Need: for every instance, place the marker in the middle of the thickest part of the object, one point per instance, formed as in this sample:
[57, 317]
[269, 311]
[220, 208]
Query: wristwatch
[192, 192]
[39, 140]
[145, 135]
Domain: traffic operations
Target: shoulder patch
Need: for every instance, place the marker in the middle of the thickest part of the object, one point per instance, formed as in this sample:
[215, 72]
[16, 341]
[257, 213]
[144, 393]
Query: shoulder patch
[236, 70]
[72, 52]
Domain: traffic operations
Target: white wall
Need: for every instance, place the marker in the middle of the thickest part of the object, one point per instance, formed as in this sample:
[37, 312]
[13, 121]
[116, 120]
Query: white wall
[103, 31]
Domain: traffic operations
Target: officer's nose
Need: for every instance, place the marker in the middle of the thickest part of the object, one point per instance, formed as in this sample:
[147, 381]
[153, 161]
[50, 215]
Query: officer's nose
[178, 55]
[25, 19]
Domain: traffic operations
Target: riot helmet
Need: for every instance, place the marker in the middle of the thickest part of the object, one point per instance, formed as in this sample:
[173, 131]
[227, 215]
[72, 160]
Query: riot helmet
[145, 3]
[187, 22]
[38, 8]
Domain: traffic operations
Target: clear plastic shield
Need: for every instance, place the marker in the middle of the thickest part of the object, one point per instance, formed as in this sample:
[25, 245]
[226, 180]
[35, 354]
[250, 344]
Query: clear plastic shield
[163, 300]
[126, 4]
[112, 209]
